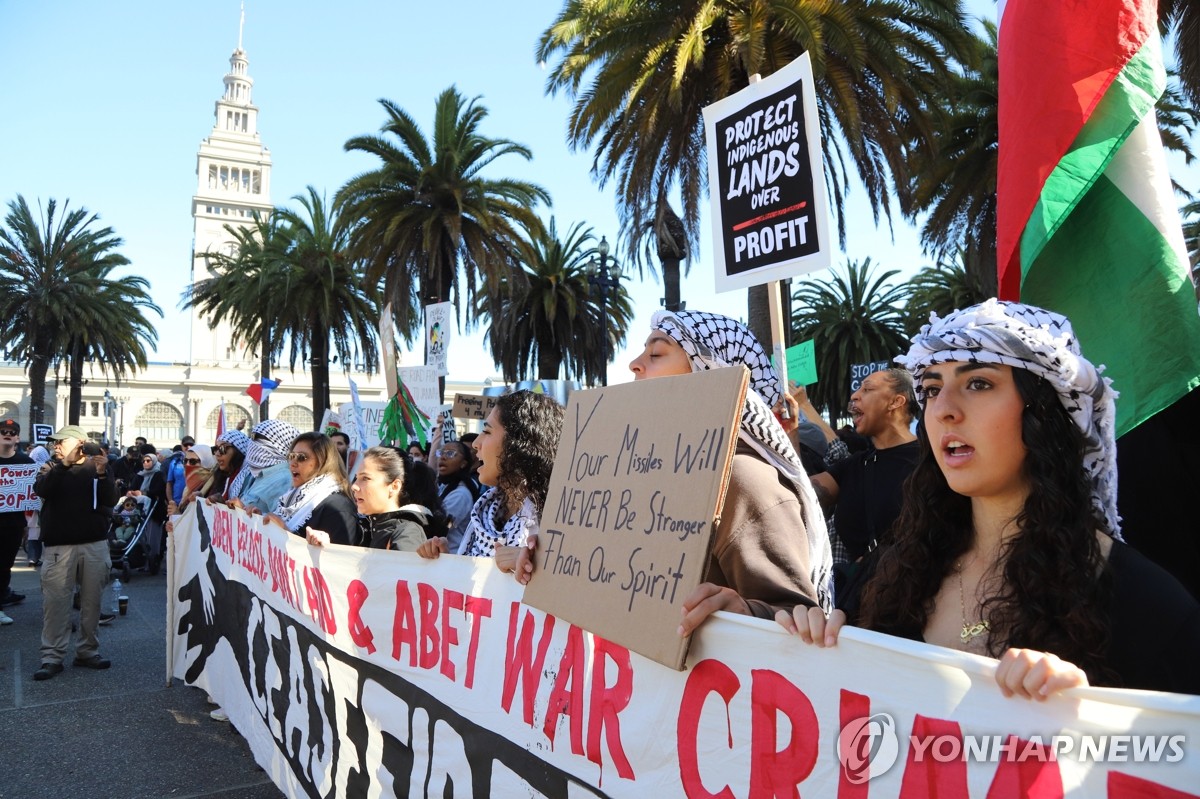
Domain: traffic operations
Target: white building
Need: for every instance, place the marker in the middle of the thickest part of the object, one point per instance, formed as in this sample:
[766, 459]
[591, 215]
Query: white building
[169, 400]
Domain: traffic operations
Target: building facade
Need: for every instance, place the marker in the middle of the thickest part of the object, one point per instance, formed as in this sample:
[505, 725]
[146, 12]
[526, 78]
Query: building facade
[166, 401]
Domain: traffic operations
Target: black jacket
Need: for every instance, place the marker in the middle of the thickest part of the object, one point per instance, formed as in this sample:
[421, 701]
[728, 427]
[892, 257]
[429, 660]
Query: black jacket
[76, 504]
[402, 530]
[337, 516]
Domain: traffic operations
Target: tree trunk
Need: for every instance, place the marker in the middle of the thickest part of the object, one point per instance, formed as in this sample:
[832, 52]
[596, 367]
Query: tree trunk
[320, 375]
[758, 315]
[39, 365]
[549, 359]
[76, 381]
[264, 370]
[670, 271]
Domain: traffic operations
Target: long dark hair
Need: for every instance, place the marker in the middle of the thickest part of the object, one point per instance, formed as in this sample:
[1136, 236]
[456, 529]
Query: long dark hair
[421, 488]
[1055, 588]
[532, 424]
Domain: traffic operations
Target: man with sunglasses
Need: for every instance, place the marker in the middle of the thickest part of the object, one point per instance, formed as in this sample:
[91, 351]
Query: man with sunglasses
[12, 523]
[77, 494]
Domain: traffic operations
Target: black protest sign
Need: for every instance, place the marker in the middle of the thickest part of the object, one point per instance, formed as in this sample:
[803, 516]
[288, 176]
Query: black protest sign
[766, 181]
[861, 371]
[628, 521]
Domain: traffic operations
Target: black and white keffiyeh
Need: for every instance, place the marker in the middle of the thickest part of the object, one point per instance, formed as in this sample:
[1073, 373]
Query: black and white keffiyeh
[277, 438]
[296, 506]
[482, 537]
[713, 341]
[1042, 342]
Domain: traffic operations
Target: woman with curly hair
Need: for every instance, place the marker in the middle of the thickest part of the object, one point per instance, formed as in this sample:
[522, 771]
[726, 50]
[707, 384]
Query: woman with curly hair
[516, 454]
[1008, 542]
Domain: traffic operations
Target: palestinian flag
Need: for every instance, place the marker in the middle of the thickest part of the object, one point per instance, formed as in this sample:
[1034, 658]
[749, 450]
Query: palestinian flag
[1087, 223]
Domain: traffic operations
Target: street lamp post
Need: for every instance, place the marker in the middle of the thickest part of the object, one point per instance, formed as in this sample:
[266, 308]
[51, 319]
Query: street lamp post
[604, 282]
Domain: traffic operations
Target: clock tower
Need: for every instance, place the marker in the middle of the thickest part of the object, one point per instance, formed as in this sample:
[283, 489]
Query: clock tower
[233, 171]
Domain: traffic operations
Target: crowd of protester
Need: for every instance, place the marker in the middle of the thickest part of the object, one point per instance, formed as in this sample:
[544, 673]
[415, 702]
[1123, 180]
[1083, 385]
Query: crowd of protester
[972, 505]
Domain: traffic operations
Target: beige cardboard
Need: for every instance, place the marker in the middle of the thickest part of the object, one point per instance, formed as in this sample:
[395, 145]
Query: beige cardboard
[638, 480]
[472, 406]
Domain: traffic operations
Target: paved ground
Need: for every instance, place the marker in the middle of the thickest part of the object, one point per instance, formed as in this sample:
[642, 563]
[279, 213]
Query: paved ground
[115, 733]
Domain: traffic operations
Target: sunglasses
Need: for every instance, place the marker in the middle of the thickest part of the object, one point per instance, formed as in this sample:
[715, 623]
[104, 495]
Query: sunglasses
[192, 461]
[221, 450]
[7, 433]
[298, 457]
[448, 453]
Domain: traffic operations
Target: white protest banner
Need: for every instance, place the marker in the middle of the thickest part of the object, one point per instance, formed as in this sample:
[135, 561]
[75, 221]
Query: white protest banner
[767, 183]
[354, 672]
[422, 383]
[438, 321]
[16, 488]
[632, 504]
[358, 429]
[372, 415]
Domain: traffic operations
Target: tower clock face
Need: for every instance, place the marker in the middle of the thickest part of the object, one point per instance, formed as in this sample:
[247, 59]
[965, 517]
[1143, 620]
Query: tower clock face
[229, 249]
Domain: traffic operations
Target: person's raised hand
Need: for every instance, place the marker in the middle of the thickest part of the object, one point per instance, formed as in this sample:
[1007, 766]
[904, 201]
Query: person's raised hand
[1036, 675]
[526, 560]
[705, 600]
[434, 547]
[811, 625]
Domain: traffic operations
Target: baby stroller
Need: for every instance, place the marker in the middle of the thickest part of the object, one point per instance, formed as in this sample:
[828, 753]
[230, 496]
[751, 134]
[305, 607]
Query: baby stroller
[125, 533]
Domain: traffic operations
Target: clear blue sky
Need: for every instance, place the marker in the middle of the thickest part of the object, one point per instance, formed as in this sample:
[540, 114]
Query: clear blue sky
[106, 104]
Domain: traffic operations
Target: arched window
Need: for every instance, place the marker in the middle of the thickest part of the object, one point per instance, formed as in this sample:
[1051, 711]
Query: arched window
[159, 423]
[233, 415]
[298, 416]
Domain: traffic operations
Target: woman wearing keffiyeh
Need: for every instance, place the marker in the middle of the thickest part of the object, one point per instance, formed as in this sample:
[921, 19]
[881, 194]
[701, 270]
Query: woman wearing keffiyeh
[771, 550]
[1007, 543]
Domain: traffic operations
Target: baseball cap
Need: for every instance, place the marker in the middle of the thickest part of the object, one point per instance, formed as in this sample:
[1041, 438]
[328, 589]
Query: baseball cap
[188, 441]
[9, 426]
[70, 431]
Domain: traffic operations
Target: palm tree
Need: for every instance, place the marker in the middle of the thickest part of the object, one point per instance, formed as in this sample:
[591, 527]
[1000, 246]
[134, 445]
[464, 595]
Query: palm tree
[428, 223]
[58, 299]
[1183, 18]
[954, 182]
[942, 288]
[640, 72]
[547, 315]
[239, 289]
[852, 319]
[107, 334]
[324, 301]
[1191, 231]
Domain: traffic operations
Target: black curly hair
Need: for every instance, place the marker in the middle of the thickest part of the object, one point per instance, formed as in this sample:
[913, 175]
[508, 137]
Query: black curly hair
[532, 424]
[1056, 587]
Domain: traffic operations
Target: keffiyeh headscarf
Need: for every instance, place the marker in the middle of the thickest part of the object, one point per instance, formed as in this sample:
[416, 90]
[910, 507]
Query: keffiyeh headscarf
[260, 454]
[273, 447]
[237, 438]
[712, 341]
[1042, 342]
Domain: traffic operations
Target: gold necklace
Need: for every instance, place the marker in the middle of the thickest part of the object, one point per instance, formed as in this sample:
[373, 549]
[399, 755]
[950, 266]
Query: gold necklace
[970, 631]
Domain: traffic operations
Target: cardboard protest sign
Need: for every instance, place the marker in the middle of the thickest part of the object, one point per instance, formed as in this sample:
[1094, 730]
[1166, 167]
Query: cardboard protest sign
[802, 363]
[363, 672]
[472, 406]
[629, 517]
[861, 371]
[767, 181]
[16, 488]
[437, 335]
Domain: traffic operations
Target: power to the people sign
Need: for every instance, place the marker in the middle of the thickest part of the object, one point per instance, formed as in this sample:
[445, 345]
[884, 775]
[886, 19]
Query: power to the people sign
[766, 181]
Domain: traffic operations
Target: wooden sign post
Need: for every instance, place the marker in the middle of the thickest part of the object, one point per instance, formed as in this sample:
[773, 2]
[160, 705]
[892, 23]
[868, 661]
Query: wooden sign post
[636, 488]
